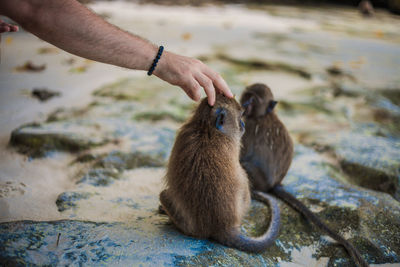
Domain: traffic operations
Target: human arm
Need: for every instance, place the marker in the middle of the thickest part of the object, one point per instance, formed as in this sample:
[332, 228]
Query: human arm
[72, 27]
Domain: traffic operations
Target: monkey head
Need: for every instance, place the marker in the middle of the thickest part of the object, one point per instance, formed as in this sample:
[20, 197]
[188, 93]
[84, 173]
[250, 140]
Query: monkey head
[258, 100]
[225, 116]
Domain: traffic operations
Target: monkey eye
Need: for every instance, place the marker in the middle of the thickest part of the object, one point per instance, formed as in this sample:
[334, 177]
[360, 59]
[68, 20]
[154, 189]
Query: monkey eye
[220, 120]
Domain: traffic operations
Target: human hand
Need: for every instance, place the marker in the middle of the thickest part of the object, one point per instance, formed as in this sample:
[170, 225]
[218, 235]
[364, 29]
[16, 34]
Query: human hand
[6, 27]
[191, 74]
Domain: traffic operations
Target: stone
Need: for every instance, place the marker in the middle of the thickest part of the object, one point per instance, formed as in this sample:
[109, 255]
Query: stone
[44, 94]
[36, 140]
[148, 238]
[67, 200]
[371, 161]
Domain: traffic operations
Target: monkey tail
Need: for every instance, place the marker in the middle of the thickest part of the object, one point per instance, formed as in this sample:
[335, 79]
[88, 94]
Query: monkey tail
[280, 192]
[237, 240]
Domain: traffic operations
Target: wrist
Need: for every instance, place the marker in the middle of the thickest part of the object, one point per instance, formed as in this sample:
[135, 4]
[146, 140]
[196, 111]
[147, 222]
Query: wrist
[155, 60]
[148, 56]
[162, 64]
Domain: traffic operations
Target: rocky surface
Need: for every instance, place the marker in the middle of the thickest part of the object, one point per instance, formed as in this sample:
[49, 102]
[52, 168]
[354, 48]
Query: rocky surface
[365, 217]
[343, 118]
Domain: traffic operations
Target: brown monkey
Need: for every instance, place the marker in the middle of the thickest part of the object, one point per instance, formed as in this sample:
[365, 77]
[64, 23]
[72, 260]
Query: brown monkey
[207, 191]
[366, 8]
[267, 152]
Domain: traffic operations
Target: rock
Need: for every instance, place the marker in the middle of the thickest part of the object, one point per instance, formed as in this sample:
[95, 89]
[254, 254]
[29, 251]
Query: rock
[84, 158]
[30, 67]
[110, 167]
[63, 114]
[129, 89]
[352, 211]
[367, 218]
[103, 172]
[100, 177]
[44, 94]
[102, 122]
[157, 116]
[371, 162]
[338, 72]
[392, 95]
[126, 161]
[67, 200]
[255, 64]
[37, 140]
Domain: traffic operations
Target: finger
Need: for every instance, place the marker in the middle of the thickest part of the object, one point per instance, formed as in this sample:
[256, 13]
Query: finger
[192, 89]
[208, 86]
[14, 28]
[219, 82]
[4, 28]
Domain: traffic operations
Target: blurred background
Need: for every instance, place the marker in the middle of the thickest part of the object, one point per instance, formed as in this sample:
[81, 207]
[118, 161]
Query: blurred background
[82, 140]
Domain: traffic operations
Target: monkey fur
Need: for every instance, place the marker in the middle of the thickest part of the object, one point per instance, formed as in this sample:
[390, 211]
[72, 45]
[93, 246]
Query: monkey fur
[366, 8]
[207, 191]
[267, 152]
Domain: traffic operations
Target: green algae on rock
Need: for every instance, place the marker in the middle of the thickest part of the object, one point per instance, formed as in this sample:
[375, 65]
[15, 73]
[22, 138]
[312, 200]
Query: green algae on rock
[126, 161]
[67, 200]
[104, 170]
[36, 140]
[255, 64]
[44, 94]
[110, 167]
[131, 90]
[159, 115]
[100, 177]
[62, 114]
[350, 211]
[80, 242]
[392, 94]
[371, 161]
[84, 158]
[368, 219]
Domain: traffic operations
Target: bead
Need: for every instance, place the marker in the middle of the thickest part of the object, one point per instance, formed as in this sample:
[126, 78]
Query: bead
[155, 61]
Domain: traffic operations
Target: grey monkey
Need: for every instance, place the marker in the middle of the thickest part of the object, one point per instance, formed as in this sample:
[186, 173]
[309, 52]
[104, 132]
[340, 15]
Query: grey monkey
[267, 152]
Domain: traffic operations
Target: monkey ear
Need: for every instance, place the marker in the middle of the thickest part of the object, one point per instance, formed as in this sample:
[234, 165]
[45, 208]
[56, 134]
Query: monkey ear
[220, 120]
[248, 102]
[271, 105]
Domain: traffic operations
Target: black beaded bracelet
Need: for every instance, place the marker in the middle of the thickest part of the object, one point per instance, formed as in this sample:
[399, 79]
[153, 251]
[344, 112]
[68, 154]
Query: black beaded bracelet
[155, 61]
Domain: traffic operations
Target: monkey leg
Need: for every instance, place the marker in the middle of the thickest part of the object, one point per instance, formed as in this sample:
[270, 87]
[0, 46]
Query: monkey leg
[161, 210]
[168, 208]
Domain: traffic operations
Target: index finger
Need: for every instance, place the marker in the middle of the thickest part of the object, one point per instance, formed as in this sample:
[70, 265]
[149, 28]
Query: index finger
[220, 83]
[208, 86]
